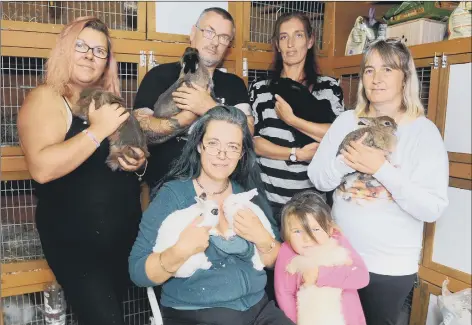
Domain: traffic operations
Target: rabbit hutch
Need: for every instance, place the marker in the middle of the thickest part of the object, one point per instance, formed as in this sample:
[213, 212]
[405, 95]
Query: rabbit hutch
[146, 34]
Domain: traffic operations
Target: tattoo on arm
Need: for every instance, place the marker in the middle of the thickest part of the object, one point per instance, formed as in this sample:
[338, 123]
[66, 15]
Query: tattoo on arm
[162, 129]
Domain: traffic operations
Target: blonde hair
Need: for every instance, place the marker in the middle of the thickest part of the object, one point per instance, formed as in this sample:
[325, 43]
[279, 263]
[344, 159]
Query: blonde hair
[301, 207]
[396, 55]
[60, 63]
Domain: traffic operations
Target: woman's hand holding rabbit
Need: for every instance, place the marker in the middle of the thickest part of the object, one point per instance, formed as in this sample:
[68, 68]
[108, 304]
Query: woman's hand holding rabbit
[193, 239]
[363, 158]
[248, 226]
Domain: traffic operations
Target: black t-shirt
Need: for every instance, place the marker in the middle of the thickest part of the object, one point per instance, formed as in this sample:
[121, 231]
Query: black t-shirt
[228, 88]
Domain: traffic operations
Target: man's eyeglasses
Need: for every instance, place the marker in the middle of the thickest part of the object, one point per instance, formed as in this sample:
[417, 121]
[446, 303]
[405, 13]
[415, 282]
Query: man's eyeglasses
[98, 51]
[230, 153]
[210, 34]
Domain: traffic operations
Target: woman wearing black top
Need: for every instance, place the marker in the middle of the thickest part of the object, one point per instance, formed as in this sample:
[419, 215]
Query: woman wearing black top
[292, 112]
[87, 215]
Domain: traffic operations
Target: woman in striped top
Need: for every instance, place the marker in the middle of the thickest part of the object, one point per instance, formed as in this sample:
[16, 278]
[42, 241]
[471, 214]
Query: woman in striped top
[286, 135]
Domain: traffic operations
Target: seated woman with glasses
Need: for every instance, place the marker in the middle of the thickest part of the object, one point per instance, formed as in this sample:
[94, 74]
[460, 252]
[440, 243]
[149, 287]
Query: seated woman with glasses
[217, 160]
[87, 215]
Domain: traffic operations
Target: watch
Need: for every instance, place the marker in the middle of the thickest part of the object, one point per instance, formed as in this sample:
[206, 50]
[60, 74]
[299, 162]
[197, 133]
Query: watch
[293, 156]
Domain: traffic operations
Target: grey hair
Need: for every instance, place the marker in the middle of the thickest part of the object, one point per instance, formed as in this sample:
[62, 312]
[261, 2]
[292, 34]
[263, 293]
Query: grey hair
[303, 205]
[220, 11]
[188, 165]
[396, 55]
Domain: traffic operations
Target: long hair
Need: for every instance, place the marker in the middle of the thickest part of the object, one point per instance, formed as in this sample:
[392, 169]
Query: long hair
[310, 68]
[60, 63]
[188, 165]
[396, 55]
[301, 207]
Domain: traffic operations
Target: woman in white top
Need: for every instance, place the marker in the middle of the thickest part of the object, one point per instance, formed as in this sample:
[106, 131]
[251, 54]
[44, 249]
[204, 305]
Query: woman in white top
[383, 214]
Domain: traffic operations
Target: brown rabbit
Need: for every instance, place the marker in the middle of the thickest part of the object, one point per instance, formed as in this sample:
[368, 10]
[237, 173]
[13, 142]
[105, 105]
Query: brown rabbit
[128, 135]
[380, 133]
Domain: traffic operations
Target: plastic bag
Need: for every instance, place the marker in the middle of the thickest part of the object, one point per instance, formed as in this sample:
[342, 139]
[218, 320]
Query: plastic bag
[359, 37]
[460, 21]
[455, 307]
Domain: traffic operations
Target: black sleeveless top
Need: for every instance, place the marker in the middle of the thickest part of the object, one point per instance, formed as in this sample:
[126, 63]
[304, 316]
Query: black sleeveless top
[91, 208]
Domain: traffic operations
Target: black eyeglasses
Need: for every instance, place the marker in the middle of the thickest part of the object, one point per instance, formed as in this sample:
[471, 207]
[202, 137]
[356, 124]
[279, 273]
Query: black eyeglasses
[223, 39]
[98, 51]
[214, 150]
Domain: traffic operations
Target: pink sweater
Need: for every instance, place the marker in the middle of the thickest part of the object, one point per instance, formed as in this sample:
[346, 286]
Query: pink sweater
[349, 278]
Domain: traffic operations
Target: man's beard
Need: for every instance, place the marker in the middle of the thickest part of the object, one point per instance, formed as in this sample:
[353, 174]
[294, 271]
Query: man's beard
[207, 62]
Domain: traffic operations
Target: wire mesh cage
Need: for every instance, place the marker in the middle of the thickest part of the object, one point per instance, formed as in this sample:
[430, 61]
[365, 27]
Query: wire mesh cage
[128, 74]
[265, 13]
[24, 309]
[350, 83]
[19, 238]
[424, 77]
[21, 74]
[257, 75]
[18, 76]
[27, 309]
[120, 15]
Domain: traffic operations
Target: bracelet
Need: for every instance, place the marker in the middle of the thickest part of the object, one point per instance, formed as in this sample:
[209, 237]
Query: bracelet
[162, 265]
[144, 172]
[272, 245]
[91, 136]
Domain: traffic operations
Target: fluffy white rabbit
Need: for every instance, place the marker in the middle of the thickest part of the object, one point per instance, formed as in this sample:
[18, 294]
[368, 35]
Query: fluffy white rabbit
[176, 222]
[168, 235]
[235, 202]
[319, 305]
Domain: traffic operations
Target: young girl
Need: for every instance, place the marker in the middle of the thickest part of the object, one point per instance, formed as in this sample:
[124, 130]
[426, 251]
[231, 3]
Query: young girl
[326, 286]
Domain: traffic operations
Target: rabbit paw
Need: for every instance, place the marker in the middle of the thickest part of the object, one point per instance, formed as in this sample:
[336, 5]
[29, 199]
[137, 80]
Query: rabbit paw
[229, 233]
[297, 264]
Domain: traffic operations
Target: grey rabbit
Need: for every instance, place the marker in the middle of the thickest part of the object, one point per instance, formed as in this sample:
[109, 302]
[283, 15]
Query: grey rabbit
[128, 135]
[380, 133]
[192, 71]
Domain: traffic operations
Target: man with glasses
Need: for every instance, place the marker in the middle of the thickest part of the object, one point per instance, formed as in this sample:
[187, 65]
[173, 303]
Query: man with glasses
[211, 36]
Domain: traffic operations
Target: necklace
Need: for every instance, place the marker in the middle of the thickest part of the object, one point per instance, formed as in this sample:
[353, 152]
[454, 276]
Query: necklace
[203, 196]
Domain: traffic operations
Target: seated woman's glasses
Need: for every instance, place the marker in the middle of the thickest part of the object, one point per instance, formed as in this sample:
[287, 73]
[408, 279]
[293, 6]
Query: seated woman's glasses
[231, 151]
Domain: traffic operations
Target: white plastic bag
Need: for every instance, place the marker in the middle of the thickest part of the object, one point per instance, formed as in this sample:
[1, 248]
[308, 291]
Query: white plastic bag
[455, 307]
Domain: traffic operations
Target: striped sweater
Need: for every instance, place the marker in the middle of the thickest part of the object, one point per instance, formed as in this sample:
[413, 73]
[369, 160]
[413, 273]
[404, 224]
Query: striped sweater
[283, 178]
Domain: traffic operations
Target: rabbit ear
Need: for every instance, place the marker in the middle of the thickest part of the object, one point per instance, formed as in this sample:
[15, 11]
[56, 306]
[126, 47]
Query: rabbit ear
[199, 200]
[249, 194]
[365, 121]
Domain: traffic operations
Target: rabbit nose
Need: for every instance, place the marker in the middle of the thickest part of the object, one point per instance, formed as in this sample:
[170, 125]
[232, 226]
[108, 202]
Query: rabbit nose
[214, 212]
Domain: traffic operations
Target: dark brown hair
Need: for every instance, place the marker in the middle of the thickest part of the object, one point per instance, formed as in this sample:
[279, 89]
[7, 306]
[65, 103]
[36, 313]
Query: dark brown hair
[311, 66]
[302, 206]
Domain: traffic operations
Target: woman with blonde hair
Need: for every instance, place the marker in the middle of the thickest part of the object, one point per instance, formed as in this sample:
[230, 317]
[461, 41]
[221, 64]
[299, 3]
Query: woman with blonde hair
[381, 201]
[87, 215]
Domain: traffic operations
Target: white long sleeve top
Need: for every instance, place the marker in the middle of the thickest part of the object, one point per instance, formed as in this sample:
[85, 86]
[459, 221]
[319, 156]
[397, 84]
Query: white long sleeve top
[383, 217]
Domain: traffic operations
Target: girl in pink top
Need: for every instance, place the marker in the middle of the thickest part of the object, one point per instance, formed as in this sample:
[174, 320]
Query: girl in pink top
[317, 272]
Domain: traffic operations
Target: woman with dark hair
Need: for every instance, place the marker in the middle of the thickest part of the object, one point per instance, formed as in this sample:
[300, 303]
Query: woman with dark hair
[292, 111]
[87, 215]
[217, 160]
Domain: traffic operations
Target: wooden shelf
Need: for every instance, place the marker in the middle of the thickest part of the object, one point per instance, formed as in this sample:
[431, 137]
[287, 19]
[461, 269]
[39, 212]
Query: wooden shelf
[448, 47]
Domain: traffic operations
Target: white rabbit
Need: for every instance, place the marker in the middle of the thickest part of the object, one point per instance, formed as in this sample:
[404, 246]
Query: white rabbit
[176, 222]
[319, 305]
[235, 202]
[168, 235]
